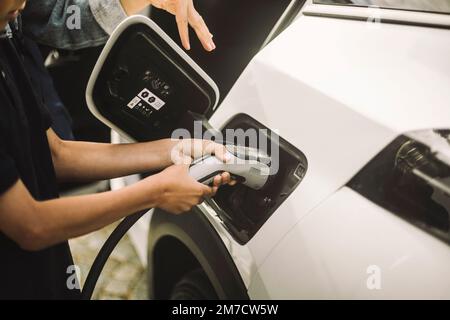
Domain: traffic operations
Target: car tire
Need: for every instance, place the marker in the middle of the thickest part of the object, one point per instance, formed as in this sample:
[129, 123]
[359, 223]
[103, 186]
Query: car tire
[194, 285]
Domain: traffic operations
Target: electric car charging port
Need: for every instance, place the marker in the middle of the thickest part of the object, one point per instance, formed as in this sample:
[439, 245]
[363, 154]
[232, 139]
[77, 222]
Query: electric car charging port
[244, 210]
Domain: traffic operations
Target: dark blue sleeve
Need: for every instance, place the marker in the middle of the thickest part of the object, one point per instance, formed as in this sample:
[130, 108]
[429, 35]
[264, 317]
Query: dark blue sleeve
[43, 82]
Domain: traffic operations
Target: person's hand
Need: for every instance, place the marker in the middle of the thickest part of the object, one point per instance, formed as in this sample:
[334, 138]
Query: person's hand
[186, 151]
[186, 15]
[180, 192]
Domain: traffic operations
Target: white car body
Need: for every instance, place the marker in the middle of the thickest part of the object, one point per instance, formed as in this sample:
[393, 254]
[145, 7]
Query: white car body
[341, 90]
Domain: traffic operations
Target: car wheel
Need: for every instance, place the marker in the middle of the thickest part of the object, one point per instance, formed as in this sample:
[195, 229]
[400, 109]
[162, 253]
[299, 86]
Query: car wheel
[194, 285]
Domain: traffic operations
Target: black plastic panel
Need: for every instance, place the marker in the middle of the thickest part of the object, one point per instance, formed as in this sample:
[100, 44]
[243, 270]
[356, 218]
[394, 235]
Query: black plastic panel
[142, 63]
[243, 210]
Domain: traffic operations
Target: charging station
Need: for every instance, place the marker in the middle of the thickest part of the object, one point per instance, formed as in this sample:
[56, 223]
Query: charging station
[144, 85]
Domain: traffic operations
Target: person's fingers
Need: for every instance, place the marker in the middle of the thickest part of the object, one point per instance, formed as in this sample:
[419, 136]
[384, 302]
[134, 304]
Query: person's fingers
[220, 151]
[196, 148]
[183, 22]
[214, 191]
[158, 4]
[232, 183]
[217, 181]
[226, 178]
[181, 159]
[207, 147]
[201, 29]
[179, 152]
[207, 191]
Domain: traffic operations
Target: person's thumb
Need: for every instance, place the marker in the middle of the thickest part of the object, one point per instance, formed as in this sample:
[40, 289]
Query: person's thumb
[207, 191]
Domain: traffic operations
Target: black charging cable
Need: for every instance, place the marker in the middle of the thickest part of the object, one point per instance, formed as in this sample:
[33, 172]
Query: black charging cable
[105, 252]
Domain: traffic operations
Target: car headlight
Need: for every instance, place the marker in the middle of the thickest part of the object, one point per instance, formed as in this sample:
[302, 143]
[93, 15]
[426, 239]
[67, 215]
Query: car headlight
[411, 178]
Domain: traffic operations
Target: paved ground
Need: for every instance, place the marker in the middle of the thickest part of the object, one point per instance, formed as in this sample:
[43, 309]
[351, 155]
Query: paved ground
[123, 276]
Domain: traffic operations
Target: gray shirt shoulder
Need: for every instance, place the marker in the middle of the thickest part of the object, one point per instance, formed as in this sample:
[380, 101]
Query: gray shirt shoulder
[72, 24]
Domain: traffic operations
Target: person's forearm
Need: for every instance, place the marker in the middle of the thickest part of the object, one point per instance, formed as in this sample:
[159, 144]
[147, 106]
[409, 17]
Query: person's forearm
[85, 161]
[35, 225]
[61, 219]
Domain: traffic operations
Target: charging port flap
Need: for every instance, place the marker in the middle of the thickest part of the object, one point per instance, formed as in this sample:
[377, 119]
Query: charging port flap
[144, 85]
[244, 210]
